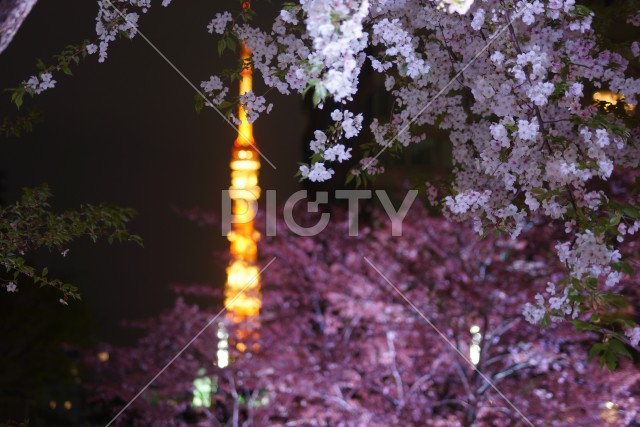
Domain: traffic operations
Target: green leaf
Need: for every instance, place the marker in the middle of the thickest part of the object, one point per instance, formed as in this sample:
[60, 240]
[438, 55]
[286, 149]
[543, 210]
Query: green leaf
[319, 94]
[612, 361]
[584, 326]
[32, 225]
[221, 46]
[231, 44]
[199, 102]
[614, 300]
[349, 178]
[312, 83]
[632, 211]
[619, 347]
[17, 95]
[615, 220]
[596, 349]
[545, 321]
[580, 11]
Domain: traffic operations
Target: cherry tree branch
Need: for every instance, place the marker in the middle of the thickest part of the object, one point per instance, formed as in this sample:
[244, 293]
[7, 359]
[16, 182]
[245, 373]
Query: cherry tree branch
[12, 15]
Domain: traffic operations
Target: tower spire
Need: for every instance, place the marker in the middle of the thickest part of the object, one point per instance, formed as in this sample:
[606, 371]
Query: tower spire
[243, 305]
[245, 129]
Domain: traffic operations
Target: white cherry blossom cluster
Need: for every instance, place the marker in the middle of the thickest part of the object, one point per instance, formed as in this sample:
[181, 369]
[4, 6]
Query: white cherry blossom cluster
[109, 22]
[634, 335]
[219, 23]
[327, 149]
[589, 256]
[349, 123]
[254, 105]
[215, 89]
[525, 144]
[317, 172]
[336, 31]
[397, 43]
[526, 139]
[558, 305]
[457, 6]
[624, 230]
[508, 81]
[38, 84]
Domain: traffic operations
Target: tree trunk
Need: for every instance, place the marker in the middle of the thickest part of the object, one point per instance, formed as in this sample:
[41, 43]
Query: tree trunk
[12, 15]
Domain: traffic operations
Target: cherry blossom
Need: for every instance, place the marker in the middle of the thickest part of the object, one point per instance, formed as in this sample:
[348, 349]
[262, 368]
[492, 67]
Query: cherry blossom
[214, 87]
[335, 344]
[219, 23]
[508, 81]
[38, 84]
[254, 105]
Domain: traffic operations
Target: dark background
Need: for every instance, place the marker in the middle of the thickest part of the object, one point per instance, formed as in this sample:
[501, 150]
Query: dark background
[126, 132]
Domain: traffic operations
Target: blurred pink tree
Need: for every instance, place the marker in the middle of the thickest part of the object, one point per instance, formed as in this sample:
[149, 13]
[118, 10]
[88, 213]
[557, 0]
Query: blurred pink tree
[339, 346]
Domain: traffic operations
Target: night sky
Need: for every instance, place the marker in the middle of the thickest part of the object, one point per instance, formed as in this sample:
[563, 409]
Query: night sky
[125, 132]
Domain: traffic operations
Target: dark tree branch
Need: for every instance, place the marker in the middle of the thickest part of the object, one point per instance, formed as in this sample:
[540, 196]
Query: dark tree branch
[12, 15]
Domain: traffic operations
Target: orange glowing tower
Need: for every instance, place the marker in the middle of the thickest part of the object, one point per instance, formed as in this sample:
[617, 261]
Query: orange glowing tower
[242, 289]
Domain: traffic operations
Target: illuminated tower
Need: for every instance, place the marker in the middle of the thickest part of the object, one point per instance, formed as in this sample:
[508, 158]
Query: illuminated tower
[243, 307]
[612, 99]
